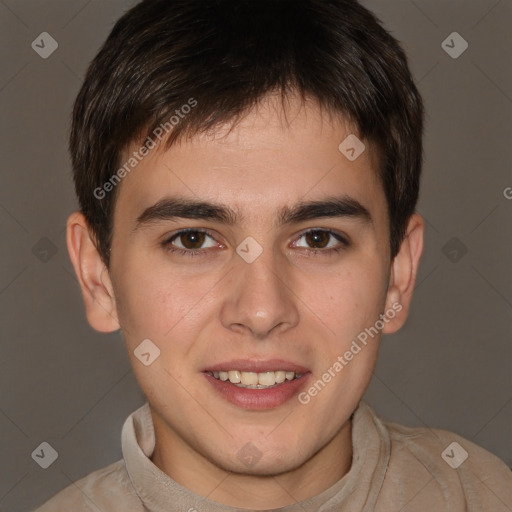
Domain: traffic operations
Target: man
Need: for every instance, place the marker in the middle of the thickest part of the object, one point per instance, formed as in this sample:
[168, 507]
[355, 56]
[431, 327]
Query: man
[247, 173]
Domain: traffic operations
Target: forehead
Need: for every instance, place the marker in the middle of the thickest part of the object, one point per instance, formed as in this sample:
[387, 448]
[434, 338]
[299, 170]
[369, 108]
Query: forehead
[276, 154]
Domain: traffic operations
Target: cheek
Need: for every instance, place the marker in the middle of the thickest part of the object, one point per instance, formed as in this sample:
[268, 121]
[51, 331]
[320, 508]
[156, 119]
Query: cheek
[349, 304]
[157, 302]
[347, 300]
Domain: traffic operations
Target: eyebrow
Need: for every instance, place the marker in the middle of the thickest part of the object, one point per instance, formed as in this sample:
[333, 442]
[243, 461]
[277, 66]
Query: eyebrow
[172, 208]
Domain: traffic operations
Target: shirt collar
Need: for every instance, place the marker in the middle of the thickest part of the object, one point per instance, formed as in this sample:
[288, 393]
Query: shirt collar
[358, 489]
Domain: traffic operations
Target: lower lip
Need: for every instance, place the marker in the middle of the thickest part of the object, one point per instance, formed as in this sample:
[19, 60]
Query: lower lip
[258, 399]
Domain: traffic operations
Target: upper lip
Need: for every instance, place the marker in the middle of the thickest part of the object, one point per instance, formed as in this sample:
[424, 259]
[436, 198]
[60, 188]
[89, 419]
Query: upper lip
[257, 366]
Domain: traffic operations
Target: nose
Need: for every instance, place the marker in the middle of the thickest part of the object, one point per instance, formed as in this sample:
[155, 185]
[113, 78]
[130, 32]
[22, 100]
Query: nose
[260, 299]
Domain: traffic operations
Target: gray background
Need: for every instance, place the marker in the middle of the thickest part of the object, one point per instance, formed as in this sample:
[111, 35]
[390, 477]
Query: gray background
[450, 367]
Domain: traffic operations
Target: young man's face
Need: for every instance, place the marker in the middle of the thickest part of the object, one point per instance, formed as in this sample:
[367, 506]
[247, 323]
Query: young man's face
[255, 296]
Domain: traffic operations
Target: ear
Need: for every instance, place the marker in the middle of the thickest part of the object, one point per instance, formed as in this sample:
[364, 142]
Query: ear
[93, 276]
[404, 270]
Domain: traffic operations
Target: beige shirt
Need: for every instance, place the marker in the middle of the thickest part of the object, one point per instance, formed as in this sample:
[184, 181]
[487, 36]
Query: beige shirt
[394, 469]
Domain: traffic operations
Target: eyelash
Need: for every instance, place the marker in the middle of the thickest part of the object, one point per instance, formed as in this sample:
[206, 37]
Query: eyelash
[167, 243]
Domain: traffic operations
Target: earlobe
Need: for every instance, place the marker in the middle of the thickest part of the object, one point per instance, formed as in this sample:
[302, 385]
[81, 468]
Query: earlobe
[93, 276]
[404, 270]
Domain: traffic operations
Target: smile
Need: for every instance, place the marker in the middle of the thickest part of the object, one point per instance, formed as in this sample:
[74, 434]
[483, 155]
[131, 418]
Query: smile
[253, 380]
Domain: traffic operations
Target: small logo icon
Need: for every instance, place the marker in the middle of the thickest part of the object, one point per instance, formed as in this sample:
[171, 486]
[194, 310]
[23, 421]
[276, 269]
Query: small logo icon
[249, 455]
[454, 455]
[147, 352]
[454, 250]
[44, 250]
[44, 45]
[507, 193]
[45, 455]
[454, 45]
[249, 249]
[351, 147]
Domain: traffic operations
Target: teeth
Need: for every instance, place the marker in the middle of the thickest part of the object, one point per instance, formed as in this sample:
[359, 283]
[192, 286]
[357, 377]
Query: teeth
[234, 377]
[249, 378]
[280, 377]
[267, 378]
[254, 380]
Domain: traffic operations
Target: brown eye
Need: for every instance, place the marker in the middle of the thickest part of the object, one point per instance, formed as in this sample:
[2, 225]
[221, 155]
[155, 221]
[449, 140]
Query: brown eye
[322, 241]
[317, 239]
[192, 239]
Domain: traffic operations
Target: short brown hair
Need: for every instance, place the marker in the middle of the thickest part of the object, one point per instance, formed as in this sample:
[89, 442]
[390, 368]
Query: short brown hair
[227, 55]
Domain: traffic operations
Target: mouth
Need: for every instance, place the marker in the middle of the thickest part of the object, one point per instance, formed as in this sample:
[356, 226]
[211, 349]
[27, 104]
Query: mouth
[253, 380]
[257, 385]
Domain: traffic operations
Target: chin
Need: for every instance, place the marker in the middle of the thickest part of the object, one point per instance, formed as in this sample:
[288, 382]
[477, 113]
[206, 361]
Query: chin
[251, 461]
[264, 468]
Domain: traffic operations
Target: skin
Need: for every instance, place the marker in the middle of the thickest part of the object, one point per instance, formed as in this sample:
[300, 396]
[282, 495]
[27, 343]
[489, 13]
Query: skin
[290, 303]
